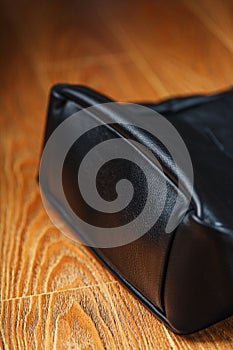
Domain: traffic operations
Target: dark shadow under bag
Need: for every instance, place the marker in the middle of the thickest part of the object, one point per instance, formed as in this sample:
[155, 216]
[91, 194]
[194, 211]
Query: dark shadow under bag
[186, 276]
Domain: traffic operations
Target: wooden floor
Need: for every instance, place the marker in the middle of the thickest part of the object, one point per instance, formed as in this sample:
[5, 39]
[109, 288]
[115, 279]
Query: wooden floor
[55, 294]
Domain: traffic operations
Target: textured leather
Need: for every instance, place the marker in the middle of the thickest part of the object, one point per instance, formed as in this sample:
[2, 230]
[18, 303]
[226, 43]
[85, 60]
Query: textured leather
[185, 277]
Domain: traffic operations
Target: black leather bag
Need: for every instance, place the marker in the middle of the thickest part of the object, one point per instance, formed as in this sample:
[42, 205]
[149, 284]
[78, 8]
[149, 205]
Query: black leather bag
[186, 276]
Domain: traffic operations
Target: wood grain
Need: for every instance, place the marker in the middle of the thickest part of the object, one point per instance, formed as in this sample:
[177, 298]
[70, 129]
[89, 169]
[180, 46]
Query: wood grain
[54, 293]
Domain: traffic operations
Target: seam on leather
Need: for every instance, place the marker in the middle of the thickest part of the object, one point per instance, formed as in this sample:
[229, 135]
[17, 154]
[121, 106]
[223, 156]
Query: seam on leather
[167, 259]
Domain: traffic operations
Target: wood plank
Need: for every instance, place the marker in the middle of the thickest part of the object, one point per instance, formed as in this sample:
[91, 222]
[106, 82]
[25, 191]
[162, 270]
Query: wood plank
[168, 43]
[97, 317]
[54, 293]
[115, 75]
[217, 18]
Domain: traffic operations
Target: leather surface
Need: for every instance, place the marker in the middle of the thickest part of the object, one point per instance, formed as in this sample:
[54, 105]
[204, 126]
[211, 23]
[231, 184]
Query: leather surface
[186, 276]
